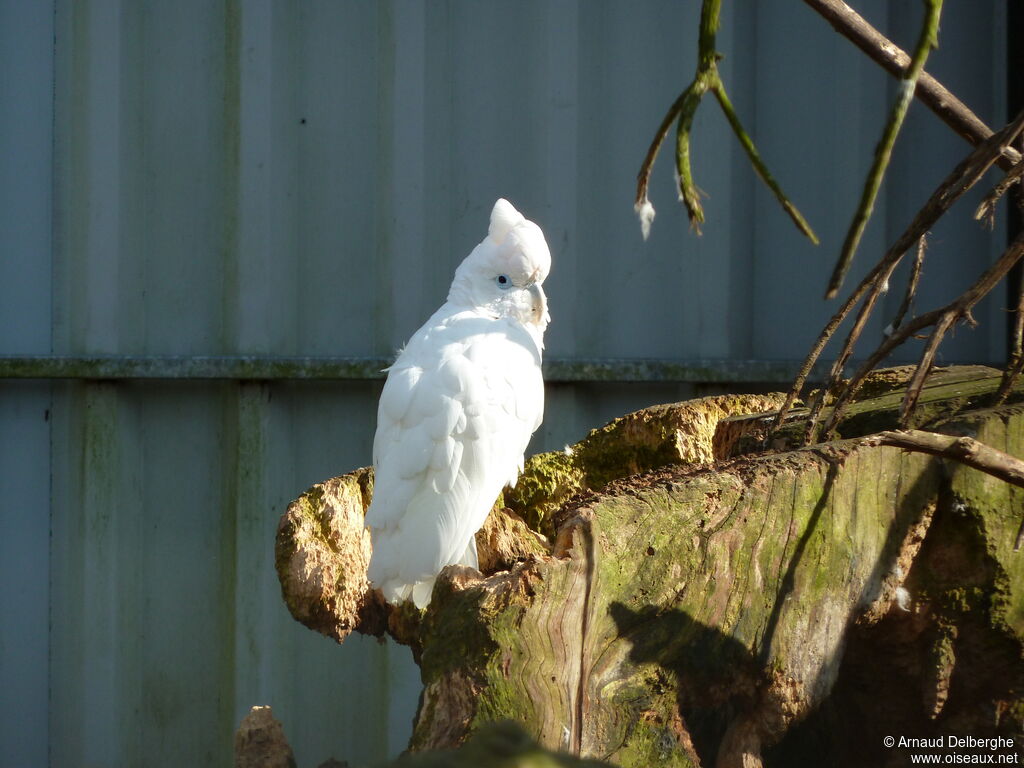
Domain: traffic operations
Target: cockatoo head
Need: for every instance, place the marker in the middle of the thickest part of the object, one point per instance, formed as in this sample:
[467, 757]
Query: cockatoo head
[503, 275]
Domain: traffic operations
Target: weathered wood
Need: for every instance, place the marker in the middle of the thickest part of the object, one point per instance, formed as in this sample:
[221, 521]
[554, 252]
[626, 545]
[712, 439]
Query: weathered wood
[322, 549]
[876, 408]
[777, 609]
[662, 435]
[696, 618]
[260, 742]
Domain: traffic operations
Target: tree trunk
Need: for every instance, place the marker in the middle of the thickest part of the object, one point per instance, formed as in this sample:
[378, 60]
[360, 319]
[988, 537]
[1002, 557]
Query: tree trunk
[781, 608]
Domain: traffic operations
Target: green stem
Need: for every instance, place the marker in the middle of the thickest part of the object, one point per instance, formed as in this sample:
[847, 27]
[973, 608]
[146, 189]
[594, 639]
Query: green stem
[688, 191]
[707, 73]
[683, 111]
[928, 40]
[718, 88]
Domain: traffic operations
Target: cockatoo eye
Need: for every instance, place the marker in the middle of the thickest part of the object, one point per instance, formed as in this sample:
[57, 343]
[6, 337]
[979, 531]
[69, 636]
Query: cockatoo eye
[503, 281]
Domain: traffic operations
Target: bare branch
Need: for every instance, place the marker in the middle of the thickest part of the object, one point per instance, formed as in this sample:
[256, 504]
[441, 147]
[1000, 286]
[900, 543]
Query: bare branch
[930, 91]
[944, 317]
[643, 178]
[966, 450]
[1016, 362]
[912, 282]
[987, 208]
[688, 190]
[966, 174]
[718, 88]
[910, 397]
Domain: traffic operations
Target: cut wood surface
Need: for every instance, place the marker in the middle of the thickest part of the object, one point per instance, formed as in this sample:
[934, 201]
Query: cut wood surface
[777, 609]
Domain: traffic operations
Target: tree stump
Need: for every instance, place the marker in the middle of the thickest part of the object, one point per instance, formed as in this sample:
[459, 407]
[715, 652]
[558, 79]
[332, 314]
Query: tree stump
[648, 601]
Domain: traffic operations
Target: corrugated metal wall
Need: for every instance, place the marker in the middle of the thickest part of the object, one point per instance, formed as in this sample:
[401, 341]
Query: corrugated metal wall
[301, 178]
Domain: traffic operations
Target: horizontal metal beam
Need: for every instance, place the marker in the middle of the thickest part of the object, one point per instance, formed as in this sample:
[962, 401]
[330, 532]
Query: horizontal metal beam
[271, 368]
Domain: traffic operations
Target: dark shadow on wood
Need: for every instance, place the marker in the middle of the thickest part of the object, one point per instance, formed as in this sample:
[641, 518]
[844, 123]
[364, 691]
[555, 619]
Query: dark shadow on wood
[716, 676]
[788, 583]
[944, 667]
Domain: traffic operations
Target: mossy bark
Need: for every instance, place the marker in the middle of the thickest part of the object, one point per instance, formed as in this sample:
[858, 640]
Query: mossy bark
[770, 610]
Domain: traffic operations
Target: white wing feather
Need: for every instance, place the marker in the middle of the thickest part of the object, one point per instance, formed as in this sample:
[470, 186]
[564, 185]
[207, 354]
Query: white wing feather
[454, 419]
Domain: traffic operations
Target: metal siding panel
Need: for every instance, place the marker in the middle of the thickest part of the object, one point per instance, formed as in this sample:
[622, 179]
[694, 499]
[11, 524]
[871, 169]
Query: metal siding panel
[336, 77]
[440, 248]
[26, 91]
[819, 161]
[179, 117]
[255, 309]
[558, 212]
[401, 283]
[924, 155]
[250, 438]
[185, 552]
[95, 576]
[24, 570]
[66, 556]
[370, 688]
[90, 136]
[740, 36]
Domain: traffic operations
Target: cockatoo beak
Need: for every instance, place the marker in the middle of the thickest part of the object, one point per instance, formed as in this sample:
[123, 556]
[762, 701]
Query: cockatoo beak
[540, 304]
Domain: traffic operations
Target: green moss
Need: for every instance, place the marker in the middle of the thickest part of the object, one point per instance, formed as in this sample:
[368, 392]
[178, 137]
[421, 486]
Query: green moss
[707, 586]
[948, 392]
[652, 743]
[659, 436]
[454, 633]
[503, 744]
[547, 481]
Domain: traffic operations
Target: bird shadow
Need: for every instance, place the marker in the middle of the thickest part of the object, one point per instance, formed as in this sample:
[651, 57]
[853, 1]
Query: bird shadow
[714, 675]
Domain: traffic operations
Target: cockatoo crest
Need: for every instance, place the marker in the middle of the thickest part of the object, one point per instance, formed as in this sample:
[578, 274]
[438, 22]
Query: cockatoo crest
[514, 249]
[458, 409]
[503, 217]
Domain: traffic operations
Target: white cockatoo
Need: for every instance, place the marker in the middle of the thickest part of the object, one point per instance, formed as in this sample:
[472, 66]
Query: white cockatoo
[458, 409]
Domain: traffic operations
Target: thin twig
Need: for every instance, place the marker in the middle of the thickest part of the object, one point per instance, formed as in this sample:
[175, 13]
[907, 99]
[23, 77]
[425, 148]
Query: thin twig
[1015, 364]
[643, 205]
[912, 282]
[930, 91]
[875, 288]
[819, 346]
[703, 80]
[945, 316]
[718, 88]
[689, 193]
[966, 450]
[924, 366]
[927, 40]
[966, 174]
[987, 208]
